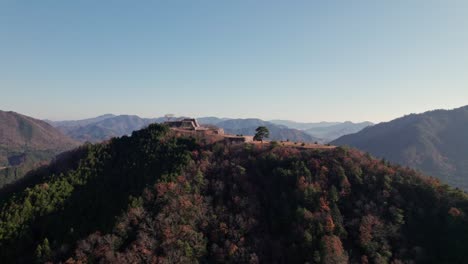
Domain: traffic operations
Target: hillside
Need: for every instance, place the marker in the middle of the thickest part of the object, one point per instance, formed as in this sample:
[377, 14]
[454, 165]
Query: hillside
[433, 142]
[26, 142]
[156, 198]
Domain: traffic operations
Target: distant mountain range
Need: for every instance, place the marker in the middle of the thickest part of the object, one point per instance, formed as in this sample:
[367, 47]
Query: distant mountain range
[26, 142]
[329, 133]
[326, 131]
[434, 142]
[103, 127]
[303, 126]
[107, 126]
[79, 123]
[248, 126]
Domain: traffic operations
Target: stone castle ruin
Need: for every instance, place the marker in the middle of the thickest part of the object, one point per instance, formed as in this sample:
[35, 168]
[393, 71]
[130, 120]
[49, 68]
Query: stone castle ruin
[192, 127]
[192, 124]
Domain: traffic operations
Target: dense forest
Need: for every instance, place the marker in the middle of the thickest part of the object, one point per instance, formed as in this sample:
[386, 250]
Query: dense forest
[157, 198]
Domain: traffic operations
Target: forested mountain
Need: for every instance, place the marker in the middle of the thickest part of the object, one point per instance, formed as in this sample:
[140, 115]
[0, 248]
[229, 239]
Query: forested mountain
[157, 198]
[434, 142]
[329, 133]
[25, 143]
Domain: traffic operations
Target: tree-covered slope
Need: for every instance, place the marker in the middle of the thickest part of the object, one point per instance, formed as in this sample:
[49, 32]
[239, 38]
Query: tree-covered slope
[26, 142]
[156, 198]
[434, 142]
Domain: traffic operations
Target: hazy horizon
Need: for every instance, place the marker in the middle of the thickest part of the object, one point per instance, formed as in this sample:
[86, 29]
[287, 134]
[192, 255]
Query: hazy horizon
[303, 61]
[231, 117]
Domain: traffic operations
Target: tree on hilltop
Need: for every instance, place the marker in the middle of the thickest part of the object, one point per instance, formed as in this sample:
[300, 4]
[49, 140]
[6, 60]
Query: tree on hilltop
[261, 133]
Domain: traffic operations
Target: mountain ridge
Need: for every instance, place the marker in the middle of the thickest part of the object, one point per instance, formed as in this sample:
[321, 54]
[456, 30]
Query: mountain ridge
[330, 133]
[433, 141]
[100, 129]
[247, 126]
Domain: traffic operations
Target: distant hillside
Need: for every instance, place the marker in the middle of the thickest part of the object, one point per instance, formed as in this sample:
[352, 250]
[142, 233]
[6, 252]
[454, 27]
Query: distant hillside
[154, 197]
[103, 127]
[277, 132]
[434, 142]
[108, 126]
[100, 130]
[78, 123]
[329, 133]
[211, 120]
[26, 142]
[303, 126]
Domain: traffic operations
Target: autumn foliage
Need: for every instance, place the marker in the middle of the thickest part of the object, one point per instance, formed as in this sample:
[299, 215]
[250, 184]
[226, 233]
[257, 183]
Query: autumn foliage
[159, 198]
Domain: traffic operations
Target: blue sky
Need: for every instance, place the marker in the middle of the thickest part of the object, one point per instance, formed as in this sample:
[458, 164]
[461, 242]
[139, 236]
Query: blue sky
[298, 60]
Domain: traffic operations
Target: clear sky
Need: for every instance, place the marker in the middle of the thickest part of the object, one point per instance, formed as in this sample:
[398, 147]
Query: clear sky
[298, 60]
